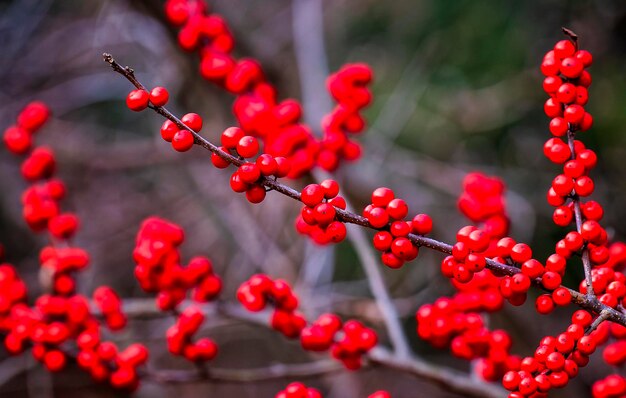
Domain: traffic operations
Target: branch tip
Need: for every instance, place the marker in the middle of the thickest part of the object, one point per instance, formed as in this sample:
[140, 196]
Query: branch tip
[570, 33]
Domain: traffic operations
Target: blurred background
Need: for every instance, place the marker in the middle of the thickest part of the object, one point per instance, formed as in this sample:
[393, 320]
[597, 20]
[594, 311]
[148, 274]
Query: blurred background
[457, 89]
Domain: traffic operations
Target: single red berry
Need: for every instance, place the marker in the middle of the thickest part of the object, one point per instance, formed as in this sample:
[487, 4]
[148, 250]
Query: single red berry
[248, 146]
[159, 96]
[137, 100]
[574, 114]
[168, 130]
[231, 136]
[193, 121]
[566, 93]
[17, 140]
[382, 196]
[218, 161]
[312, 195]
[397, 209]
[584, 57]
[544, 304]
[182, 141]
[564, 49]
[584, 186]
[558, 127]
[422, 224]
[249, 172]
[256, 193]
[571, 67]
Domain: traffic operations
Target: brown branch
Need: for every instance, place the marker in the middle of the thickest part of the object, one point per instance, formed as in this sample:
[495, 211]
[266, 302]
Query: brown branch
[587, 302]
[579, 222]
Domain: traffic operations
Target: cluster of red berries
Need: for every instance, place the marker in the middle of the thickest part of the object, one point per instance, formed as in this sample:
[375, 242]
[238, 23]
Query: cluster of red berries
[61, 263]
[12, 291]
[347, 342]
[514, 288]
[448, 322]
[19, 137]
[110, 306]
[41, 200]
[318, 218]
[482, 201]
[556, 360]
[468, 255]
[182, 139]
[299, 390]
[260, 290]
[613, 386]
[159, 270]
[138, 100]
[179, 337]
[392, 239]
[355, 341]
[257, 108]
[349, 346]
[106, 363]
[614, 353]
[457, 321]
[47, 326]
[348, 86]
[249, 176]
[566, 82]
[62, 316]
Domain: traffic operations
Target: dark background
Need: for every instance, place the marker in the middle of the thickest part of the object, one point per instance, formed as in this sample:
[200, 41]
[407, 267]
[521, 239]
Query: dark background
[457, 89]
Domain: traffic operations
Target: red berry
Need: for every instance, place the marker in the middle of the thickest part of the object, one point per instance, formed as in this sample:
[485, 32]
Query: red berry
[571, 67]
[248, 146]
[159, 96]
[193, 121]
[137, 100]
[168, 130]
[231, 136]
[182, 141]
[382, 196]
[312, 195]
[17, 140]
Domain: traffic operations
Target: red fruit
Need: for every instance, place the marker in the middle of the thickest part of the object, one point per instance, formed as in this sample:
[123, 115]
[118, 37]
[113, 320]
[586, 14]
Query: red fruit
[574, 114]
[248, 146]
[33, 116]
[249, 173]
[564, 49]
[137, 100]
[422, 224]
[182, 141]
[54, 360]
[159, 96]
[218, 161]
[558, 127]
[312, 195]
[571, 67]
[544, 304]
[231, 136]
[168, 130]
[378, 217]
[382, 196]
[17, 140]
[193, 121]
[267, 164]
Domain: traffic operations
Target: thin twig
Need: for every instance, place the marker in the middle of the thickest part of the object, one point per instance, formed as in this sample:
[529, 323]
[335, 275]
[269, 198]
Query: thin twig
[589, 303]
[579, 222]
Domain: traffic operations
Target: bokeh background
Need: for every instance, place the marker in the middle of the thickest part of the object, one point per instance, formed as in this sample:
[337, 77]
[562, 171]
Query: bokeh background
[457, 89]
